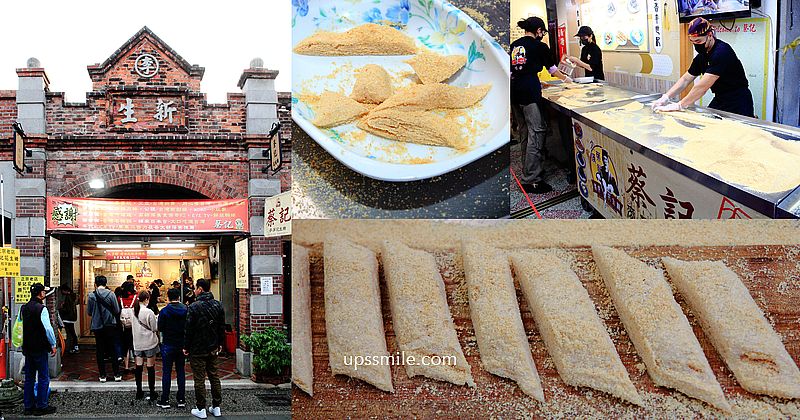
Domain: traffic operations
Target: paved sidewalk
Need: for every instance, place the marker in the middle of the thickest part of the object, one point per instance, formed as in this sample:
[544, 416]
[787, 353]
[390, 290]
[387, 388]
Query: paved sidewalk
[130, 385]
[239, 404]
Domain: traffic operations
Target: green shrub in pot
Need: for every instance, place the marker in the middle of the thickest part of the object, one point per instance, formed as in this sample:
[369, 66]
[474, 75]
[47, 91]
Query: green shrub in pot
[271, 351]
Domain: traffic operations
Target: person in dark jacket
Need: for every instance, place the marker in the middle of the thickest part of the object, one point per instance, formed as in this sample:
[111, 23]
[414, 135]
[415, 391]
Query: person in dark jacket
[38, 339]
[69, 315]
[205, 332]
[172, 324]
[155, 295]
[102, 306]
[189, 295]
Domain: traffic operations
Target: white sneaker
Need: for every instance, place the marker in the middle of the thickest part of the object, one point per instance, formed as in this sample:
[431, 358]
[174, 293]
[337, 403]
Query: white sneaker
[215, 411]
[102, 379]
[200, 414]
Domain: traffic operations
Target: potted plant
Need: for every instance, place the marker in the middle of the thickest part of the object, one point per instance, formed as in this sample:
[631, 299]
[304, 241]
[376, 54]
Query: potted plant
[272, 355]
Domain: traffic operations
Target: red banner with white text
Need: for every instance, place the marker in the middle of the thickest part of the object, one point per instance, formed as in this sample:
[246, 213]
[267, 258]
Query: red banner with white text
[107, 215]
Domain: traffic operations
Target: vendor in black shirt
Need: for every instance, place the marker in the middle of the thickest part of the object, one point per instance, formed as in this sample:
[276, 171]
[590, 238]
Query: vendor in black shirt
[722, 71]
[528, 56]
[591, 57]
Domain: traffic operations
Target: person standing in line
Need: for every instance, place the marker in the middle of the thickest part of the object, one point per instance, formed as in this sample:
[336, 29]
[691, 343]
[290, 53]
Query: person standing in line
[145, 345]
[103, 308]
[172, 324]
[69, 315]
[38, 339]
[127, 303]
[203, 338]
[155, 294]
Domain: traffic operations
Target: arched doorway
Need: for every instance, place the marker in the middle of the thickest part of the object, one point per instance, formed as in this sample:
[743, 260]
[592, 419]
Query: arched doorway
[167, 254]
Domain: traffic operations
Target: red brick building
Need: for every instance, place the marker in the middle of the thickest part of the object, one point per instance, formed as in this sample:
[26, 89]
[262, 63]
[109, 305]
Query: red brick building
[146, 132]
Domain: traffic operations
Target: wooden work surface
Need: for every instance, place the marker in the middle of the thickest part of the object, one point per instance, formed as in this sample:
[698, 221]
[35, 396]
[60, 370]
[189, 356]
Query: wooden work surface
[771, 273]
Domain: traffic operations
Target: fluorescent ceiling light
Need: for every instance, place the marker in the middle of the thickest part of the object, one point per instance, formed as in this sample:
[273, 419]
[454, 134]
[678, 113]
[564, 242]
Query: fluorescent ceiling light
[97, 184]
[171, 245]
[111, 245]
[175, 251]
[155, 252]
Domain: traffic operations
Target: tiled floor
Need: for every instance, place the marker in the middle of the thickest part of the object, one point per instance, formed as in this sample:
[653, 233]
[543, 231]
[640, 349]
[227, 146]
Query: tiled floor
[556, 176]
[83, 367]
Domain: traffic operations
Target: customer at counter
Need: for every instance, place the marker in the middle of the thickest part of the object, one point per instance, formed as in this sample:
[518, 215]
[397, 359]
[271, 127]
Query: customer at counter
[591, 57]
[528, 56]
[724, 75]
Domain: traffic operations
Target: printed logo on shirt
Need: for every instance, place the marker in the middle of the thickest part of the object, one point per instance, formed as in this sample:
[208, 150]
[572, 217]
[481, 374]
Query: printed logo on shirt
[518, 56]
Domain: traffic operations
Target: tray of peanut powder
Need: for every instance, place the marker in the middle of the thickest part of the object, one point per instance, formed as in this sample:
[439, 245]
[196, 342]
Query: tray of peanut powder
[762, 254]
[399, 91]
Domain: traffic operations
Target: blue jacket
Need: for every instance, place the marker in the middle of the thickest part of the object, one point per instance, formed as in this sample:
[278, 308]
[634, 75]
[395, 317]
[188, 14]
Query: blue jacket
[172, 323]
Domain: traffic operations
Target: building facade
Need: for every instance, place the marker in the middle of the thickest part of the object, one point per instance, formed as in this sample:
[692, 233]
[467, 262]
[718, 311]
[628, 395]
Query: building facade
[146, 132]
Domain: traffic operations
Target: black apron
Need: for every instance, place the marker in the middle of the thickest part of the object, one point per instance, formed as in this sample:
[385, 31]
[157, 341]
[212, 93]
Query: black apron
[737, 101]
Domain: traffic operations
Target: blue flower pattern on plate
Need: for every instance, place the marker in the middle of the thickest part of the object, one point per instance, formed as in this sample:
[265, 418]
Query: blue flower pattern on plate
[300, 8]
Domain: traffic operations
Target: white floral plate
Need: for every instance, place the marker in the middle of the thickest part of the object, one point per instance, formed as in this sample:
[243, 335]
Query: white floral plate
[433, 24]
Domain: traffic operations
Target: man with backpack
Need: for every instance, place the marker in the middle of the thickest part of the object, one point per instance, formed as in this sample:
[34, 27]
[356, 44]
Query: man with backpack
[38, 339]
[205, 332]
[103, 308]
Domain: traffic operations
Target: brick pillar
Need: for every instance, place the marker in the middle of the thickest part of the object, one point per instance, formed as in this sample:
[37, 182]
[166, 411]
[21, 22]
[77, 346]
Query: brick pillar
[33, 83]
[30, 187]
[261, 100]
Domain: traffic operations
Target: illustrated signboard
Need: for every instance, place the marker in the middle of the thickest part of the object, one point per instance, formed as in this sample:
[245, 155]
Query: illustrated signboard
[618, 25]
[622, 184]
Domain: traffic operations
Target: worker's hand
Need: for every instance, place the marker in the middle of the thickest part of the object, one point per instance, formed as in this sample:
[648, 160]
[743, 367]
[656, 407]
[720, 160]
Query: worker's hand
[669, 108]
[663, 100]
[185, 352]
[567, 79]
[53, 351]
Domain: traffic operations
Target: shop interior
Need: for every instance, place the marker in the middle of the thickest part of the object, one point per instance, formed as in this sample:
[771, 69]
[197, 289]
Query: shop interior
[148, 259]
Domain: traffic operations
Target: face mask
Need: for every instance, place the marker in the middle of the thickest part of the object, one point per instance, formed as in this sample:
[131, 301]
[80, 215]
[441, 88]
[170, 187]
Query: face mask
[700, 48]
[584, 42]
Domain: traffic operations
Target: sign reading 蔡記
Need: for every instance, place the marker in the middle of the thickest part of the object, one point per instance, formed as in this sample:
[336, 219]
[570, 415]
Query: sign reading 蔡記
[22, 291]
[266, 286]
[242, 265]
[278, 215]
[55, 261]
[19, 148]
[9, 262]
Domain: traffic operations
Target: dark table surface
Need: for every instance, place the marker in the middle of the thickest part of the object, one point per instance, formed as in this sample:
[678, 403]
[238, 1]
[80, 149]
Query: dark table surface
[326, 188]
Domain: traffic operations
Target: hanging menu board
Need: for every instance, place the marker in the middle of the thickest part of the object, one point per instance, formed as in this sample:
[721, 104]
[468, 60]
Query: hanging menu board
[618, 25]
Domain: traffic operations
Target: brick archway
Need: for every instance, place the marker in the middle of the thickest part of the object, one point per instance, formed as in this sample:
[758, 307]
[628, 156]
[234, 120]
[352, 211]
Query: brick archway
[209, 184]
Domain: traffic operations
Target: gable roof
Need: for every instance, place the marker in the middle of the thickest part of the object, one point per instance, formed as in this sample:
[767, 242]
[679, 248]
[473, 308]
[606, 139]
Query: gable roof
[145, 33]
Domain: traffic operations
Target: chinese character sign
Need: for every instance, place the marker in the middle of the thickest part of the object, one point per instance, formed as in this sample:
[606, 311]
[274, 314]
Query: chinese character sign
[22, 291]
[9, 262]
[242, 264]
[278, 215]
[55, 261]
[657, 26]
[148, 112]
